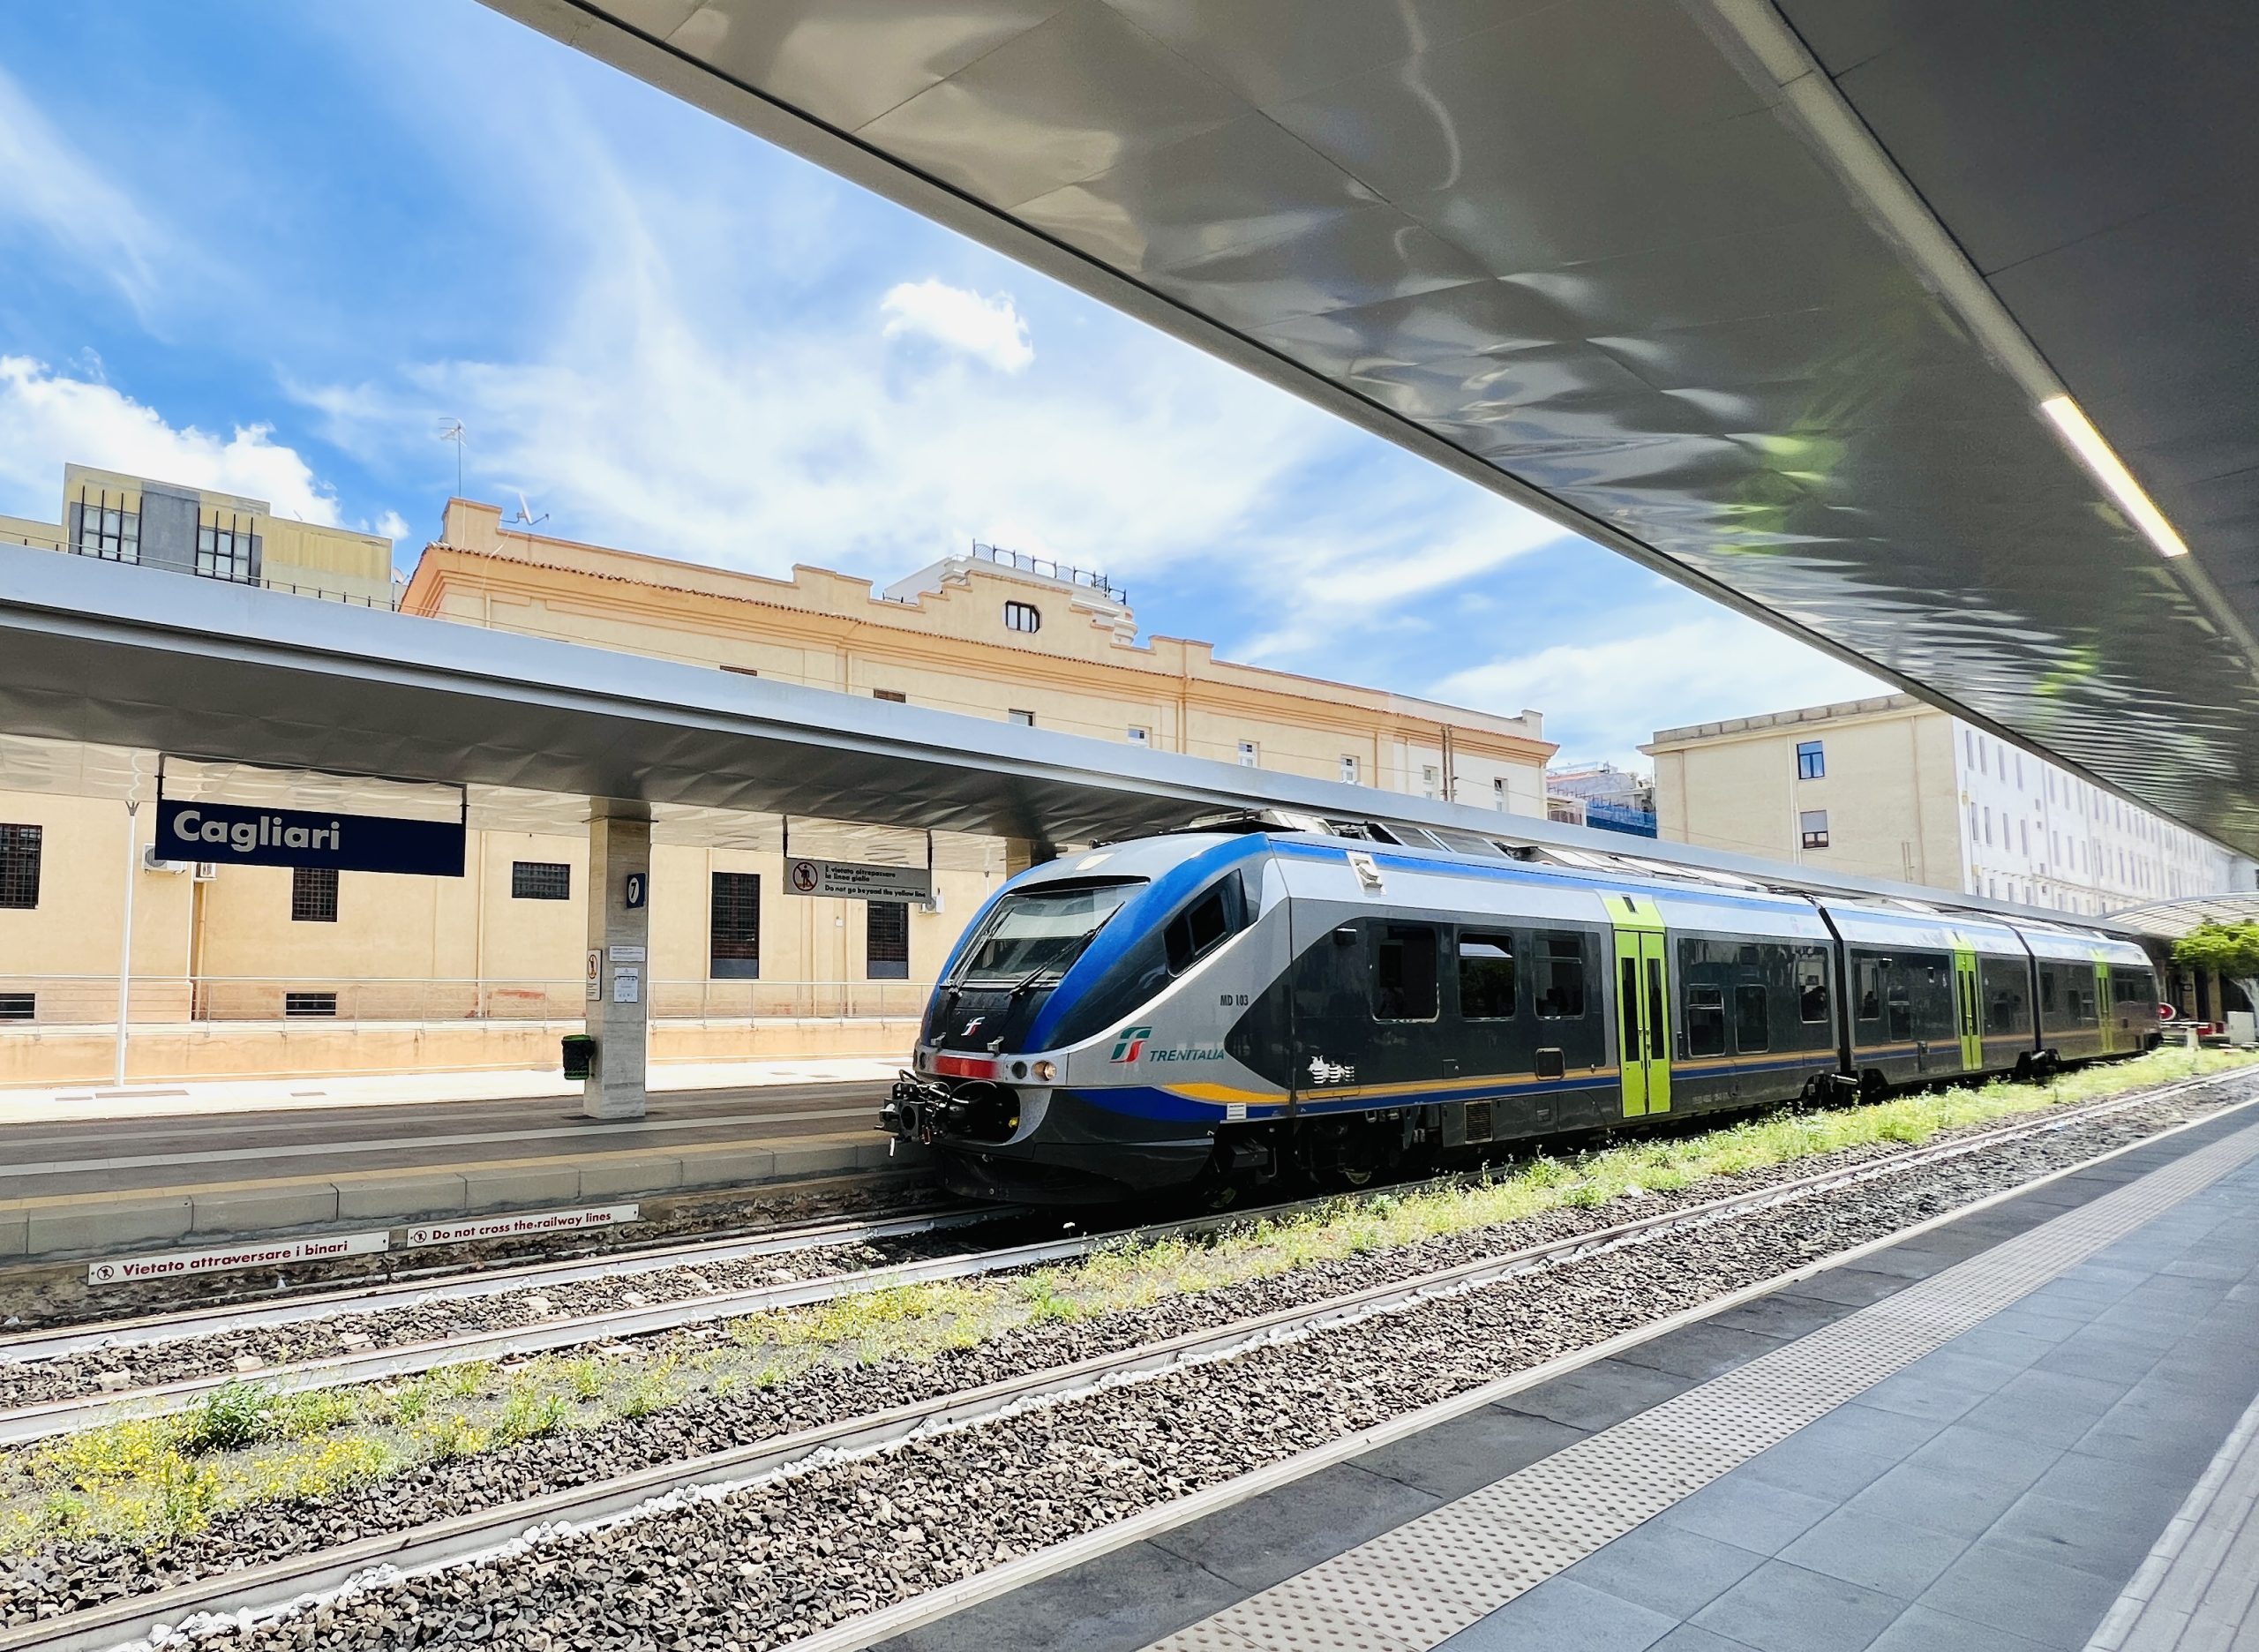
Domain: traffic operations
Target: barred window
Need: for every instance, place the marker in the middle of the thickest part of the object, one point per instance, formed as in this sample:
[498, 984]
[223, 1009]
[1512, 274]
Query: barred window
[114, 536]
[733, 935]
[313, 895]
[540, 880]
[18, 1006]
[309, 1003]
[226, 553]
[886, 939]
[20, 856]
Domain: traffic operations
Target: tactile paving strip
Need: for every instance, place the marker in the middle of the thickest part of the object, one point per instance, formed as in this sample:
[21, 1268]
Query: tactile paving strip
[1412, 1588]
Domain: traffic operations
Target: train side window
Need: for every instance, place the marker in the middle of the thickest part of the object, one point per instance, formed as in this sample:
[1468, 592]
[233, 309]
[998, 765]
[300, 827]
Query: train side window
[1563, 994]
[1869, 990]
[1811, 992]
[1752, 1025]
[1195, 931]
[1706, 1021]
[1486, 977]
[2003, 1012]
[1404, 973]
[1628, 995]
[1900, 1005]
[2047, 991]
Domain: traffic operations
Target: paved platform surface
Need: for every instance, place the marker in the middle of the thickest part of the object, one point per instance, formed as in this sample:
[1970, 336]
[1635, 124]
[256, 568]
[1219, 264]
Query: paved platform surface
[80, 1189]
[2031, 1426]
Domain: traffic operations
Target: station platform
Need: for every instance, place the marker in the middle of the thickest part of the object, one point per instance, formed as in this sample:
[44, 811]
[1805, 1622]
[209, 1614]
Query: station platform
[2034, 1425]
[103, 1186]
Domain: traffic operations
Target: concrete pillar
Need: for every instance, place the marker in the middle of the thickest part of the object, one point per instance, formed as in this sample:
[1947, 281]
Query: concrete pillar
[620, 1020]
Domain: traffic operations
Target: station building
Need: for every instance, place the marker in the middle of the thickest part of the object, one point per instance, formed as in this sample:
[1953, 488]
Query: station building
[248, 971]
[1890, 788]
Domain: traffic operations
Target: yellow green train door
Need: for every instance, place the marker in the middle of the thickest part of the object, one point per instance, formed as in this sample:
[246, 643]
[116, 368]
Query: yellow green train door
[1642, 1004]
[2103, 1011]
[1971, 1005]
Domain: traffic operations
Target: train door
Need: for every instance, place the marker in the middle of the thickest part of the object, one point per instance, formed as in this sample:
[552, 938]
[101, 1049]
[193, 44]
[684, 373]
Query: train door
[1642, 1004]
[1969, 1005]
[2105, 1012]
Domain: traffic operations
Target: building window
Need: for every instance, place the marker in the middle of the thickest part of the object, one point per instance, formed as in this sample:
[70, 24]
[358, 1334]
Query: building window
[309, 1003]
[1019, 616]
[1811, 825]
[1025, 719]
[1248, 755]
[225, 553]
[314, 894]
[1140, 737]
[15, 1006]
[1428, 779]
[1811, 760]
[893, 697]
[1348, 770]
[886, 939]
[733, 935]
[540, 880]
[114, 536]
[19, 855]
[1498, 791]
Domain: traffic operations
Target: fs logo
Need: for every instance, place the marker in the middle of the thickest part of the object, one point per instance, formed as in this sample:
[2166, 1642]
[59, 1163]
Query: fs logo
[972, 1026]
[1131, 1044]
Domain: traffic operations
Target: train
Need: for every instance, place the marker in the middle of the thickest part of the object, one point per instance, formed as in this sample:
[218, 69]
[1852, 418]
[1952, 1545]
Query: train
[1250, 1001]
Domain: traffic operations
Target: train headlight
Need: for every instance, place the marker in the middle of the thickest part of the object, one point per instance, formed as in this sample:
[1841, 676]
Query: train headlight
[1046, 1071]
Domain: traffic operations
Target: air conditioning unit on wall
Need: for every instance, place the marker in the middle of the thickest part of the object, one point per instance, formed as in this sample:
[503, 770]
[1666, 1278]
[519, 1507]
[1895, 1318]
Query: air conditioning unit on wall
[152, 862]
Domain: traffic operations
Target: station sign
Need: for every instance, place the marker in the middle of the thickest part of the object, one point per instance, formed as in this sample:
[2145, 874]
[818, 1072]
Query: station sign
[521, 1225]
[269, 1253]
[234, 835]
[849, 879]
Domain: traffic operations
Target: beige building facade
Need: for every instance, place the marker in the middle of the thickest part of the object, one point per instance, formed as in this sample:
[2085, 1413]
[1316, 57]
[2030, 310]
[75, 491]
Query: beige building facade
[240, 970]
[1890, 788]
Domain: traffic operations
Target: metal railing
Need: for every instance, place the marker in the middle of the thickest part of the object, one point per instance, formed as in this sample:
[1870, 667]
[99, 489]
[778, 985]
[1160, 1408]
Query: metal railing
[1065, 572]
[32, 1002]
[389, 601]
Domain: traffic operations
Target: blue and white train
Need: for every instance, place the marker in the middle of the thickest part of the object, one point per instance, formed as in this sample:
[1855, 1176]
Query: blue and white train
[1218, 1008]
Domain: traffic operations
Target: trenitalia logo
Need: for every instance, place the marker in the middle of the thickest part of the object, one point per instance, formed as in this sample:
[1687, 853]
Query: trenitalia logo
[1132, 1043]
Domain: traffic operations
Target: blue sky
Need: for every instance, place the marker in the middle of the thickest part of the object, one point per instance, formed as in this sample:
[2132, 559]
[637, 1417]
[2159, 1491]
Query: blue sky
[271, 248]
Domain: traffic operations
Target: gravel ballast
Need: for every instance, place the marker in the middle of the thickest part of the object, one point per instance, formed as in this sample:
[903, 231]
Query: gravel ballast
[975, 1498]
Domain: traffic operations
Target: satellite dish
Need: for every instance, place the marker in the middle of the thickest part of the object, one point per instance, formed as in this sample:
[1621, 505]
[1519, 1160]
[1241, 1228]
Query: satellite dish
[525, 516]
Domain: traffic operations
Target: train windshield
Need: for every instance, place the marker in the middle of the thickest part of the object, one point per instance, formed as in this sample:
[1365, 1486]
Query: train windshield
[1038, 931]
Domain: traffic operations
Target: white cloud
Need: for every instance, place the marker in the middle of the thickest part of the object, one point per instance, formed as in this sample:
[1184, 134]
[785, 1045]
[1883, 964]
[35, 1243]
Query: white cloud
[394, 527]
[47, 419]
[48, 186]
[1604, 698]
[987, 329]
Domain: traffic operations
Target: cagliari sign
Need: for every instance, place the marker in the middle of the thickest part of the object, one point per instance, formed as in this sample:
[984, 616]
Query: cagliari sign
[239, 836]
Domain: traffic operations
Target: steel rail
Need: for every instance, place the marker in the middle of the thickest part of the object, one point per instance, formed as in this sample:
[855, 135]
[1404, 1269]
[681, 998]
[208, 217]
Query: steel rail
[46, 1418]
[277, 1586]
[57, 1416]
[155, 1330]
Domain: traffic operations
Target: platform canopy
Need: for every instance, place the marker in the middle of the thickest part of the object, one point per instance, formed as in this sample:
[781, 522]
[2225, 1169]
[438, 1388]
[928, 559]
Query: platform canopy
[1770, 298]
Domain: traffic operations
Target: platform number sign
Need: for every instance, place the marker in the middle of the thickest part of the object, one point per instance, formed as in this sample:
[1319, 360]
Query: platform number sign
[637, 890]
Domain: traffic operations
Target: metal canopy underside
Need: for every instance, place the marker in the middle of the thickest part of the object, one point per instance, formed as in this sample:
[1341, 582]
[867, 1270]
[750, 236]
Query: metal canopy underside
[103, 665]
[1581, 251]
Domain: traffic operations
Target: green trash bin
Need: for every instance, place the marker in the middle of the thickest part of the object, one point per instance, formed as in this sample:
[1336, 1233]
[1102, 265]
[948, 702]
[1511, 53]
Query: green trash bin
[580, 1055]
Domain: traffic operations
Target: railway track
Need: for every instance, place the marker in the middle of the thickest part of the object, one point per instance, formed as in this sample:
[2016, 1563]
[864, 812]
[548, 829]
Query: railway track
[245, 1596]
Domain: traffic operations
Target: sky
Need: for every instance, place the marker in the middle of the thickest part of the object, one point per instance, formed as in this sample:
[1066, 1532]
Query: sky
[274, 249]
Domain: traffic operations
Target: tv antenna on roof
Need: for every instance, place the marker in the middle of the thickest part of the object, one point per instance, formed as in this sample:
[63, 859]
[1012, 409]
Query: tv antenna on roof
[525, 516]
[454, 431]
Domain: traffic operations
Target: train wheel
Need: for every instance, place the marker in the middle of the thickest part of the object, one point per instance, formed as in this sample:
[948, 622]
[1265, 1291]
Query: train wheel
[1345, 1157]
